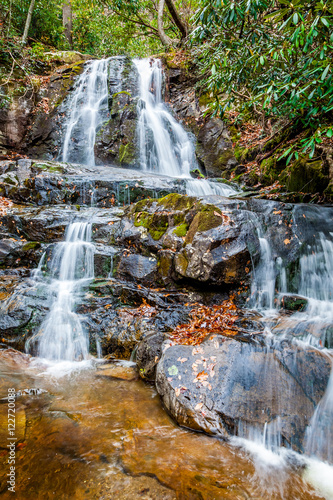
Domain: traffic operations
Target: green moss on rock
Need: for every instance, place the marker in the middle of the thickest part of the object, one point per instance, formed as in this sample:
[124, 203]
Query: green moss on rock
[176, 201]
[181, 230]
[205, 219]
[305, 176]
[31, 245]
[143, 219]
[127, 153]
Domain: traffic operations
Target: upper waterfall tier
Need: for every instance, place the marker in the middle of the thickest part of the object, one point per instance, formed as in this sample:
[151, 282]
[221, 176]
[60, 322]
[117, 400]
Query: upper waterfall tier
[87, 110]
[165, 147]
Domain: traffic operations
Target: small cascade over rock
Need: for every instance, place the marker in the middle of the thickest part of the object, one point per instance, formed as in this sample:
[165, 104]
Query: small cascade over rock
[87, 109]
[61, 336]
[319, 436]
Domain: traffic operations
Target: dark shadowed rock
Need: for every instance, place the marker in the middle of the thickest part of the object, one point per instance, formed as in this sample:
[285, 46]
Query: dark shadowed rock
[148, 354]
[138, 268]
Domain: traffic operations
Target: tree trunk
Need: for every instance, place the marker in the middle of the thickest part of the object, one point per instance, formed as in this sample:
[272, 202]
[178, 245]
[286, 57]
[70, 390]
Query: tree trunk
[28, 21]
[67, 21]
[176, 18]
[161, 33]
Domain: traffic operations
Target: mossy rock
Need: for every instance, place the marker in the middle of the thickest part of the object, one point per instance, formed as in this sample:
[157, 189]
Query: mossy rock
[156, 223]
[66, 56]
[181, 230]
[181, 263]
[244, 155]
[294, 303]
[127, 154]
[195, 173]
[31, 245]
[143, 219]
[159, 223]
[205, 219]
[49, 167]
[305, 176]
[176, 201]
[165, 264]
[141, 205]
[329, 192]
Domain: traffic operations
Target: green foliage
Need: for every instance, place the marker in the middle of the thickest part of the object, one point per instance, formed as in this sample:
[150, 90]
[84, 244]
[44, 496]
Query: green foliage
[112, 30]
[272, 58]
[46, 23]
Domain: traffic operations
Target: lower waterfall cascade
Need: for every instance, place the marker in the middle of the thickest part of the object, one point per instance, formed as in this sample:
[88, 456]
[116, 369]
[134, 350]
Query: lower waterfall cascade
[61, 336]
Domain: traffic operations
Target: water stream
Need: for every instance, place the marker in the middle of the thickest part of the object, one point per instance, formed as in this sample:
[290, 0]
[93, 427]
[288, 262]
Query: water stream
[165, 147]
[87, 109]
[61, 335]
[310, 327]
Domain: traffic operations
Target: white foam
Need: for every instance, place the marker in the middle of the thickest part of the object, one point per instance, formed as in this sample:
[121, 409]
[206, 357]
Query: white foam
[320, 476]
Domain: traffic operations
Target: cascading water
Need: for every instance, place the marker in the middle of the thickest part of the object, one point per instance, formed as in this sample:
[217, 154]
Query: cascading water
[88, 109]
[165, 147]
[312, 282]
[61, 336]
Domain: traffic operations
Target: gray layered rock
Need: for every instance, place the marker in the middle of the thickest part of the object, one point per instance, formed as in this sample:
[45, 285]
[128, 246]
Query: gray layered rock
[226, 387]
[116, 140]
[50, 183]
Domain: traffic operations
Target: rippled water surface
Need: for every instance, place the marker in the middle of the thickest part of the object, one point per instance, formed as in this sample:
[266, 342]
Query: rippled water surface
[99, 433]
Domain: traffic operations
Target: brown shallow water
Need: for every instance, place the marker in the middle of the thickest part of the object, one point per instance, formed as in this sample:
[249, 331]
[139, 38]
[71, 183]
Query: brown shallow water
[96, 437]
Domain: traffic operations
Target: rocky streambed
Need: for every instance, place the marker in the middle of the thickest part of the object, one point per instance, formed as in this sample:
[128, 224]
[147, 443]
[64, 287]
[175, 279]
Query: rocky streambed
[156, 262]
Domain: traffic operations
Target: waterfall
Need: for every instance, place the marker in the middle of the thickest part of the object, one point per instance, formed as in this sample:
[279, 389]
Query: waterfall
[61, 336]
[87, 110]
[319, 436]
[263, 279]
[313, 326]
[165, 147]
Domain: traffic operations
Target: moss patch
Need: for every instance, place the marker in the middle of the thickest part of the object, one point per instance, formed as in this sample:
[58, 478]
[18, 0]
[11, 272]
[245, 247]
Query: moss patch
[305, 176]
[181, 230]
[204, 220]
[143, 219]
[158, 225]
[127, 153]
[176, 201]
[32, 245]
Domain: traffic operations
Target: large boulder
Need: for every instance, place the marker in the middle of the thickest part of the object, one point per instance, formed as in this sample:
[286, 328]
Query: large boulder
[198, 241]
[116, 140]
[227, 387]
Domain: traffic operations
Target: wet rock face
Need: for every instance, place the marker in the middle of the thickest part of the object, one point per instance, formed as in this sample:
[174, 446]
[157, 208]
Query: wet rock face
[15, 253]
[31, 123]
[53, 183]
[226, 387]
[148, 354]
[116, 141]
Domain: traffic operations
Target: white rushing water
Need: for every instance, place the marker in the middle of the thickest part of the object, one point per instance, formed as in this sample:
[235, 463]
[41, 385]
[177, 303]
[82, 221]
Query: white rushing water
[165, 147]
[87, 110]
[311, 281]
[61, 336]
